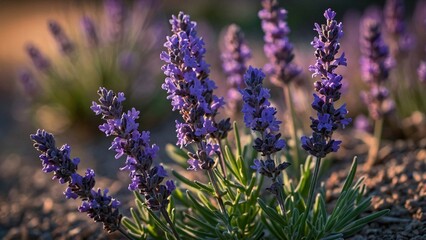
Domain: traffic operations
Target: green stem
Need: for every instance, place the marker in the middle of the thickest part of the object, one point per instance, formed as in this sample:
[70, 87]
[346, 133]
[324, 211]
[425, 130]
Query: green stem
[280, 198]
[293, 129]
[219, 198]
[312, 188]
[374, 150]
[222, 159]
[169, 221]
[124, 233]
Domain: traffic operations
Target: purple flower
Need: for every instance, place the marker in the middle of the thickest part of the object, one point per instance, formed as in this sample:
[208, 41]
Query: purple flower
[28, 82]
[115, 17]
[89, 31]
[396, 27]
[258, 114]
[100, 207]
[277, 48]
[421, 72]
[135, 145]
[40, 62]
[260, 117]
[376, 65]
[61, 38]
[234, 57]
[328, 88]
[190, 89]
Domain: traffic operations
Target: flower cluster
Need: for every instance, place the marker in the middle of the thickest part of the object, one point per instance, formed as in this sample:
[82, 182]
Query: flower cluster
[234, 63]
[396, 27]
[328, 88]
[191, 91]
[136, 145]
[260, 117]
[375, 66]
[278, 48]
[97, 205]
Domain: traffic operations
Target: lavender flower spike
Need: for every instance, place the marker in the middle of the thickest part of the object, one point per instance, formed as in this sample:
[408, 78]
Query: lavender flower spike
[396, 27]
[39, 60]
[329, 118]
[97, 205]
[191, 91]
[278, 48]
[234, 57]
[61, 38]
[89, 31]
[136, 146]
[375, 65]
[116, 15]
[260, 117]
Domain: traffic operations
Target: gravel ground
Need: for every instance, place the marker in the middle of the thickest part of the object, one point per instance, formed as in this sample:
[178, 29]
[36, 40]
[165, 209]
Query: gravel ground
[32, 206]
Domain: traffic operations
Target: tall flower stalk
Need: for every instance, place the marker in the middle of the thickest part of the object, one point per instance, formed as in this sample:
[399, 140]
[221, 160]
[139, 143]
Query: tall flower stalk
[375, 65]
[146, 179]
[235, 55]
[279, 51]
[96, 203]
[329, 117]
[191, 93]
[259, 116]
[394, 13]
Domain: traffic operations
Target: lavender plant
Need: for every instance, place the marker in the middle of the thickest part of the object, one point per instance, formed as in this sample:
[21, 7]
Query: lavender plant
[375, 65]
[398, 32]
[231, 205]
[401, 41]
[329, 117]
[96, 203]
[300, 223]
[235, 55]
[279, 51]
[104, 53]
[259, 116]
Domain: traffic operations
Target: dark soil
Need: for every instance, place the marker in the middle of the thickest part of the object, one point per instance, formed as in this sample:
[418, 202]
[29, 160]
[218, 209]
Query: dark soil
[398, 183]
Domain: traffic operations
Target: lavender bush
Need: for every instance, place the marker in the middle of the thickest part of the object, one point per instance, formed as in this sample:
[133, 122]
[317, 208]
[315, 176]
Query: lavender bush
[105, 50]
[228, 202]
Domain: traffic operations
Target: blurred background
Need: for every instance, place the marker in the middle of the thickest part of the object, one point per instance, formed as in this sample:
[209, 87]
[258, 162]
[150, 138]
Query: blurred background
[51, 67]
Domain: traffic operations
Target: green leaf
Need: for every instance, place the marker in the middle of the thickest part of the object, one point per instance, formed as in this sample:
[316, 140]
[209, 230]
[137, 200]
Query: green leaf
[271, 212]
[305, 177]
[204, 187]
[200, 223]
[353, 214]
[158, 222]
[132, 227]
[136, 219]
[351, 176]
[358, 224]
[205, 211]
[243, 170]
[237, 139]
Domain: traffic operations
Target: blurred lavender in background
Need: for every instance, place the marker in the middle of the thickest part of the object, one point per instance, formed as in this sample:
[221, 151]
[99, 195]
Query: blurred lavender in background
[375, 65]
[235, 54]
[116, 51]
